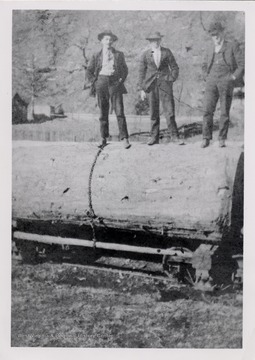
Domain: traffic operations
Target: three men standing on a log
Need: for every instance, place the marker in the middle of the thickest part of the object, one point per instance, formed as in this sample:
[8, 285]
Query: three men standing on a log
[107, 71]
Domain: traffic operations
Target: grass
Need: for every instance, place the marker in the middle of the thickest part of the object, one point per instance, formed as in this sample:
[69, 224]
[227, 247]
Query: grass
[67, 306]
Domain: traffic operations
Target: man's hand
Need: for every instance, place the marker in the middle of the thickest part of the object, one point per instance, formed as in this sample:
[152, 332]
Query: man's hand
[143, 95]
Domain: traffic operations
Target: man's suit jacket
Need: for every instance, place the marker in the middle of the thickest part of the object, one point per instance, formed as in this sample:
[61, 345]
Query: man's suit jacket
[120, 73]
[167, 72]
[233, 57]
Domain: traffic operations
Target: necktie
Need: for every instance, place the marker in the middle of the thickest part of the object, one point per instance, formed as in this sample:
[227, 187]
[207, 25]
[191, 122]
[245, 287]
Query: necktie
[109, 55]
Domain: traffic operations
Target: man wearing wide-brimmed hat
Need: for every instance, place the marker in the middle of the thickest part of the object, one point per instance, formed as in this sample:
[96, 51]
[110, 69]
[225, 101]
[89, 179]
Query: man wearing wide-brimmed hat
[157, 72]
[224, 69]
[107, 71]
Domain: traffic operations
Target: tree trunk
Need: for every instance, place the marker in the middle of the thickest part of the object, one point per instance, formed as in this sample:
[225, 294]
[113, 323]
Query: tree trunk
[169, 190]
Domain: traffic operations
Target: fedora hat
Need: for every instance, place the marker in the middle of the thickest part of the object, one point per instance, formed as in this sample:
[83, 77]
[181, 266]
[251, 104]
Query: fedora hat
[154, 36]
[109, 33]
[215, 28]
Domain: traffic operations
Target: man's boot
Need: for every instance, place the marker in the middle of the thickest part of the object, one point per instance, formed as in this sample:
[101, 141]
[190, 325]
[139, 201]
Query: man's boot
[126, 143]
[205, 143]
[152, 141]
[103, 143]
[222, 143]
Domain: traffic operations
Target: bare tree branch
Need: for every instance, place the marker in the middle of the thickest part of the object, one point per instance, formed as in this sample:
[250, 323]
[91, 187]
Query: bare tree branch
[73, 70]
[201, 21]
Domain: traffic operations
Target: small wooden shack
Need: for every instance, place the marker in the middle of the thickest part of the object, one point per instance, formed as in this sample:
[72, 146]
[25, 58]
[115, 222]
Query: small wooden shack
[39, 110]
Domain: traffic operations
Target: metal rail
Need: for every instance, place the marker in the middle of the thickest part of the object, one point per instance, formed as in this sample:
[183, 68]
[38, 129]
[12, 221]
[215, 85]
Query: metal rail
[47, 239]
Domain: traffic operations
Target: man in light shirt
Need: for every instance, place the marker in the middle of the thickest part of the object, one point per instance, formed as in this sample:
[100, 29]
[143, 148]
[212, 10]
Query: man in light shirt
[157, 72]
[107, 71]
[224, 69]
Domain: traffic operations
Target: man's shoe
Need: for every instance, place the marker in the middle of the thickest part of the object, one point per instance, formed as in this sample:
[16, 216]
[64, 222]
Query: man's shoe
[177, 140]
[174, 138]
[205, 143]
[222, 143]
[102, 144]
[152, 141]
[126, 143]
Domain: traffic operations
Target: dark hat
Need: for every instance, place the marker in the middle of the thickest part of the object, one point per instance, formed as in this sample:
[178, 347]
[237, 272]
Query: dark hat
[109, 33]
[154, 36]
[215, 28]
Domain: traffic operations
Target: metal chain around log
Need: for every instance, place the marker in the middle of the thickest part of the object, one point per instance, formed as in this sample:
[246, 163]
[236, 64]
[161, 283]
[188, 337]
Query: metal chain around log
[91, 212]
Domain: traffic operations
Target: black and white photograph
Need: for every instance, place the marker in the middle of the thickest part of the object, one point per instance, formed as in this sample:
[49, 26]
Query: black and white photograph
[127, 177]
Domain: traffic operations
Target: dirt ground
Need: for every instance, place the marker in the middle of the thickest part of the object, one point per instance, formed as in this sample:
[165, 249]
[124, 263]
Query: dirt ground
[63, 305]
[85, 127]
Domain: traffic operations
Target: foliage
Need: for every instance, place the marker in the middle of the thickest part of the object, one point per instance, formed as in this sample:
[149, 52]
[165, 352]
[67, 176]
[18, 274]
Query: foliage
[63, 41]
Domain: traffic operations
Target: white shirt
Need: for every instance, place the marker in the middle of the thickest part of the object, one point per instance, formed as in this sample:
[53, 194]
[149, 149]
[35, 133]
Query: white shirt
[157, 56]
[218, 47]
[108, 63]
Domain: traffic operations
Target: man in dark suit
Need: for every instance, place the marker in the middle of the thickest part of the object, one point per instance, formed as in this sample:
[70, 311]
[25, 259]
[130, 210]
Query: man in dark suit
[224, 68]
[157, 72]
[107, 71]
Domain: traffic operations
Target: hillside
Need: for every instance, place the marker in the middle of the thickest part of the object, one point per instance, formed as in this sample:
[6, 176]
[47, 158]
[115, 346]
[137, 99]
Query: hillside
[51, 50]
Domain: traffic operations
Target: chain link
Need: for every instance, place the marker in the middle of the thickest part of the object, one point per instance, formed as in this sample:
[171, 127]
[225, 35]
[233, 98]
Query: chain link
[91, 212]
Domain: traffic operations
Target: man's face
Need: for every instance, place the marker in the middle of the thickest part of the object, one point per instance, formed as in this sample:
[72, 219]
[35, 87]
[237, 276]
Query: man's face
[217, 38]
[155, 43]
[107, 41]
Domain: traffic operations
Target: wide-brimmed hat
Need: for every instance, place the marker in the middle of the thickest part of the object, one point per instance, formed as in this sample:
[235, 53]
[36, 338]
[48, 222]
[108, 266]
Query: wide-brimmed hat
[215, 28]
[109, 33]
[154, 36]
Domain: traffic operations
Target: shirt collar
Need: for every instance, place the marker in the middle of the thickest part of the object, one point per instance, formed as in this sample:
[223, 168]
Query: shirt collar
[157, 50]
[111, 49]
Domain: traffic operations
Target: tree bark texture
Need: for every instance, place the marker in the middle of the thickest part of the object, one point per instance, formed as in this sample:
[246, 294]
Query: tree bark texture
[167, 189]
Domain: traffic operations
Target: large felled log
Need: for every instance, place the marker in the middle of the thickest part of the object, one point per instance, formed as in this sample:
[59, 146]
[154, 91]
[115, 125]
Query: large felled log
[173, 190]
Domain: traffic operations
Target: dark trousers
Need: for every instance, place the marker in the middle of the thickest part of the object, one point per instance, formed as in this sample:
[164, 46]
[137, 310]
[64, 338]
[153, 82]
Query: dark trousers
[162, 92]
[217, 89]
[107, 92]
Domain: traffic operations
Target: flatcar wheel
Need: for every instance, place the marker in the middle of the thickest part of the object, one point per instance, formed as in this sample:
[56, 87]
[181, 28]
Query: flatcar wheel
[177, 264]
[28, 252]
[175, 270]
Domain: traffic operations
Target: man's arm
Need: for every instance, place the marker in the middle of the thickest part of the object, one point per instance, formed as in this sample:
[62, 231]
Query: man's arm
[205, 64]
[173, 65]
[239, 59]
[142, 71]
[90, 72]
[123, 67]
